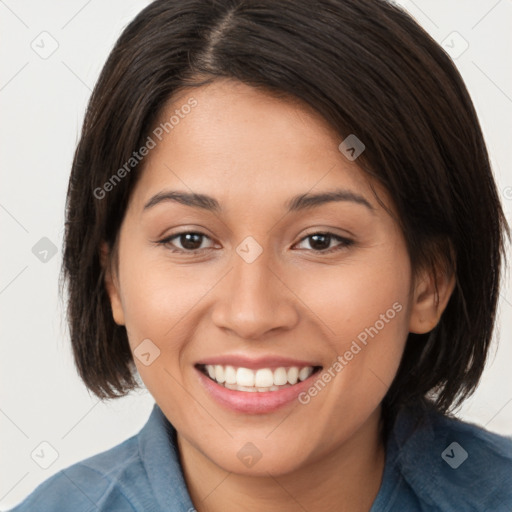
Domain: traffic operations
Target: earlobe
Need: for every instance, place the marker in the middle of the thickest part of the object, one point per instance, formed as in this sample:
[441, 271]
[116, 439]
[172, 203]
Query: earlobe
[428, 304]
[111, 285]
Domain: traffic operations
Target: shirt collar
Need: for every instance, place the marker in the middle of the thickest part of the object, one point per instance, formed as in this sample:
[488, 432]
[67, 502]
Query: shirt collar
[159, 452]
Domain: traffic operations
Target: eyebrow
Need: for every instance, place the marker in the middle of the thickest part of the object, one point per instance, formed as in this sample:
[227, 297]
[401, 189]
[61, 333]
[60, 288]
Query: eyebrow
[297, 203]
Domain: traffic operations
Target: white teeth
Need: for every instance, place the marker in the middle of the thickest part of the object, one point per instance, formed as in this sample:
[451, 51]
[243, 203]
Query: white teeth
[263, 379]
[293, 375]
[230, 375]
[280, 376]
[219, 373]
[305, 373]
[251, 389]
[235, 387]
[245, 377]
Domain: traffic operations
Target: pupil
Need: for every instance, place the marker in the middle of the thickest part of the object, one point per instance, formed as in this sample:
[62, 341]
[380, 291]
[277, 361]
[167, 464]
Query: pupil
[189, 243]
[193, 241]
[314, 242]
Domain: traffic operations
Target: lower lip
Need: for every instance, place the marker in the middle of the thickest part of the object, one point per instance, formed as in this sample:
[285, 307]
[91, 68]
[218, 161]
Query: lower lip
[257, 402]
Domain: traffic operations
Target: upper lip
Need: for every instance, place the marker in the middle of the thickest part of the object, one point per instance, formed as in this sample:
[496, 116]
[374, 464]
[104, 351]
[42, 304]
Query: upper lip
[256, 362]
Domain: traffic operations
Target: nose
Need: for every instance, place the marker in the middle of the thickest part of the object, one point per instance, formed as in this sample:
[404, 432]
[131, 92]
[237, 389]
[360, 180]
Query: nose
[254, 300]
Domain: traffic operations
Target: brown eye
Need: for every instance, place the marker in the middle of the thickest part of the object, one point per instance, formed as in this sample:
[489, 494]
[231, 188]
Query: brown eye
[187, 241]
[321, 242]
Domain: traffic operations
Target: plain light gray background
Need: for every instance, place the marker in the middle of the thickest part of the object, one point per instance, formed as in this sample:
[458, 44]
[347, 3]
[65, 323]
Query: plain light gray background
[42, 100]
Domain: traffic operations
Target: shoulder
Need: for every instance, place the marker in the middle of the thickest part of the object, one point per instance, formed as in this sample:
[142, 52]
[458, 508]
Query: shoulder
[107, 481]
[453, 465]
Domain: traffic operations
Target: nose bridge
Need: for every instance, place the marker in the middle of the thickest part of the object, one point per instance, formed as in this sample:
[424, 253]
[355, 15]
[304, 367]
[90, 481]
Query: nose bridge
[252, 280]
[253, 300]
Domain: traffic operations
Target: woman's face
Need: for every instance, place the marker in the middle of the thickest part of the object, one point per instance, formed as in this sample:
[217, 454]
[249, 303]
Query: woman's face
[274, 282]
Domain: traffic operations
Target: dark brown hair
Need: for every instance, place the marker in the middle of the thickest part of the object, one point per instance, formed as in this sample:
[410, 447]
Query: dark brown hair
[369, 69]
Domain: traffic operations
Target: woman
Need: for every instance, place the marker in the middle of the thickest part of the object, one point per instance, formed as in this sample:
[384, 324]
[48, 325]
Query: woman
[282, 216]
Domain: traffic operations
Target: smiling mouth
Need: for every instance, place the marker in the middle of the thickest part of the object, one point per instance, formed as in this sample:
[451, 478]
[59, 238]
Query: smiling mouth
[260, 380]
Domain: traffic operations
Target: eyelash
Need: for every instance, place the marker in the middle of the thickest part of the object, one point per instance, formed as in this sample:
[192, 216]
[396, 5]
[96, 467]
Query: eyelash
[345, 242]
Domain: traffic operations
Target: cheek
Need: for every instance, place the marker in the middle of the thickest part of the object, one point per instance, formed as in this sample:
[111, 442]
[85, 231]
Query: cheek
[159, 297]
[363, 307]
[158, 301]
[352, 296]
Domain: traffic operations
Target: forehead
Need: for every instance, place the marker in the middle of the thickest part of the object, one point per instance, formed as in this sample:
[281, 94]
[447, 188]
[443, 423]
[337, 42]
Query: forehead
[245, 146]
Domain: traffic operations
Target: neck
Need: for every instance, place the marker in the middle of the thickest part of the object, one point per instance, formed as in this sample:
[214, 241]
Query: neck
[347, 479]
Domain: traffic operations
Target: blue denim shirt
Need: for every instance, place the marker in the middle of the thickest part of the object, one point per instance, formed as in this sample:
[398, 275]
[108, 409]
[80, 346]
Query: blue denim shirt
[442, 465]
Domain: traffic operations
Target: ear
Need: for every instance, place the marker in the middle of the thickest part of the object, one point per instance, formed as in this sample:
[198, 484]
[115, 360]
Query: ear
[428, 305]
[111, 285]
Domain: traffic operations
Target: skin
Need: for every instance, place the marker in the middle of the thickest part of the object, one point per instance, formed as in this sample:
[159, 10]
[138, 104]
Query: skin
[252, 152]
